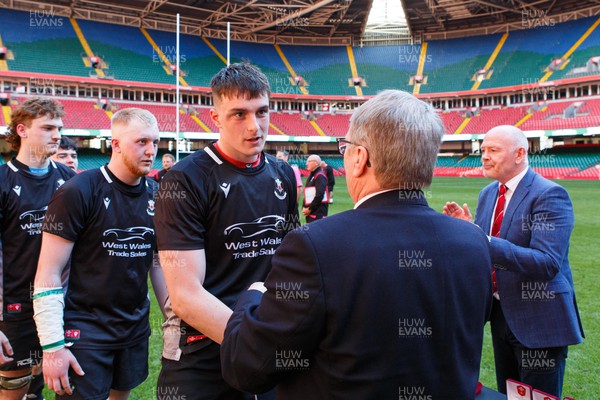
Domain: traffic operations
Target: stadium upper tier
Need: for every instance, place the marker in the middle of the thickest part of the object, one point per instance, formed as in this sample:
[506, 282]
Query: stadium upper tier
[57, 45]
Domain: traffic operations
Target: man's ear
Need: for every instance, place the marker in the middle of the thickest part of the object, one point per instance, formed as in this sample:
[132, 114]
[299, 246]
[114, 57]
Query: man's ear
[521, 154]
[115, 145]
[360, 161]
[214, 115]
[21, 130]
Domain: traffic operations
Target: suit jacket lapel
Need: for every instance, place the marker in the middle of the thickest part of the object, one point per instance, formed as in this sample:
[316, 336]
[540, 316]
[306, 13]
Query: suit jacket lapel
[518, 196]
[488, 202]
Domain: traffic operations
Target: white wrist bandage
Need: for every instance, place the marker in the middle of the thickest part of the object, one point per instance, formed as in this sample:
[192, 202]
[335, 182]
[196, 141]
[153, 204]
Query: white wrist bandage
[48, 304]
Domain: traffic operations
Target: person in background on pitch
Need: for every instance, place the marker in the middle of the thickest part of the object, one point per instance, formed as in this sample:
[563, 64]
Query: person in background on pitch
[27, 182]
[316, 203]
[328, 170]
[67, 153]
[168, 160]
[285, 156]
[380, 311]
[529, 220]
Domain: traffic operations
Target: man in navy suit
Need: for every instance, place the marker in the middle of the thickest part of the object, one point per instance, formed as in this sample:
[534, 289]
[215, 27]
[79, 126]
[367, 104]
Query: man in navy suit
[385, 301]
[535, 316]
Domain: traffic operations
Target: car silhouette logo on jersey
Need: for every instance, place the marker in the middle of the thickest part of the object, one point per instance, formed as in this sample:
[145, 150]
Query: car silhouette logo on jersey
[135, 232]
[273, 223]
[34, 215]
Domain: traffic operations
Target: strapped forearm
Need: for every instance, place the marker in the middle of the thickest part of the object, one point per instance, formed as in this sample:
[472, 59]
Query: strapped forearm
[48, 305]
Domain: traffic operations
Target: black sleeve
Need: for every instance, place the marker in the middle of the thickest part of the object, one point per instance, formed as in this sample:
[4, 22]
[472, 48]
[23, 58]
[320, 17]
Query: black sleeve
[330, 178]
[293, 218]
[320, 186]
[283, 326]
[180, 209]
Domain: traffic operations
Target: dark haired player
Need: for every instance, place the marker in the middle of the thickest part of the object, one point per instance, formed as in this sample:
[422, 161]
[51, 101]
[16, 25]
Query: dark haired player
[103, 220]
[220, 216]
[27, 183]
[67, 153]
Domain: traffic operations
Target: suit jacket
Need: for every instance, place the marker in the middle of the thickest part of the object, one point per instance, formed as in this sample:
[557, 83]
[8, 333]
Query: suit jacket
[318, 179]
[531, 258]
[383, 301]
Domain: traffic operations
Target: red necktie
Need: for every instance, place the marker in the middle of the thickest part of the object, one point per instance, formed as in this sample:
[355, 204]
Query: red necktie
[497, 223]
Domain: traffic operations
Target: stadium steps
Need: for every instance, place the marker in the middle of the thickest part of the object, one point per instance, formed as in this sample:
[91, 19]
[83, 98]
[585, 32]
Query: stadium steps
[421, 67]
[288, 66]
[6, 113]
[275, 129]
[3, 63]
[214, 49]
[462, 125]
[197, 120]
[317, 128]
[162, 56]
[492, 58]
[574, 47]
[85, 45]
[354, 70]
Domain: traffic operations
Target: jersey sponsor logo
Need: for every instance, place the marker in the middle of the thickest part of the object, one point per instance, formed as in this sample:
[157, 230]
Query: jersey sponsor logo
[33, 220]
[17, 190]
[225, 188]
[14, 308]
[26, 362]
[60, 182]
[72, 334]
[150, 209]
[280, 193]
[195, 338]
[273, 223]
[135, 232]
[106, 202]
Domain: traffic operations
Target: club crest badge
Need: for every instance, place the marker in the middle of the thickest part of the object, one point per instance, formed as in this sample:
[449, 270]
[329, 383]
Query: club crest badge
[280, 192]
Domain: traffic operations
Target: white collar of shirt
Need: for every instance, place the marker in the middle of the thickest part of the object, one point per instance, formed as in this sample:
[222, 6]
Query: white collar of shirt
[367, 197]
[512, 186]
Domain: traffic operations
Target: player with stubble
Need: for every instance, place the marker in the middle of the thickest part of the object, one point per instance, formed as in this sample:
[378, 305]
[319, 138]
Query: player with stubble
[102, 220]
[220, 216]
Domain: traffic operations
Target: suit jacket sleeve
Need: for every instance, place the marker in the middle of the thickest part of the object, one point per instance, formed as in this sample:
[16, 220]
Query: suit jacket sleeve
[264, 334]
[538, 239]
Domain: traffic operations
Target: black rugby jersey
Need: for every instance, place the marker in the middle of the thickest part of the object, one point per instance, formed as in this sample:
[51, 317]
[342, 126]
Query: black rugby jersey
[111, 223]
[237, 215]
[24, 199]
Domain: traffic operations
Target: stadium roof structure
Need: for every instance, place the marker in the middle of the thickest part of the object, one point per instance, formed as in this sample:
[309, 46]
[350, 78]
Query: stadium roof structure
[317, 22]
[310, 22]
[441, 19]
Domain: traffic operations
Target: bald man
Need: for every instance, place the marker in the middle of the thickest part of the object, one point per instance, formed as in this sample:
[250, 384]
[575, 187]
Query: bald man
[529, 220]
[316, 199]
[103, 221]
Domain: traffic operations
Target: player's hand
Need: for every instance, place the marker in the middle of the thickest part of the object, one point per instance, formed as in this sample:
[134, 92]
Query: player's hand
[260, 286]
[452, 209]
[305, 211]
[56, 370]
[6, 352]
